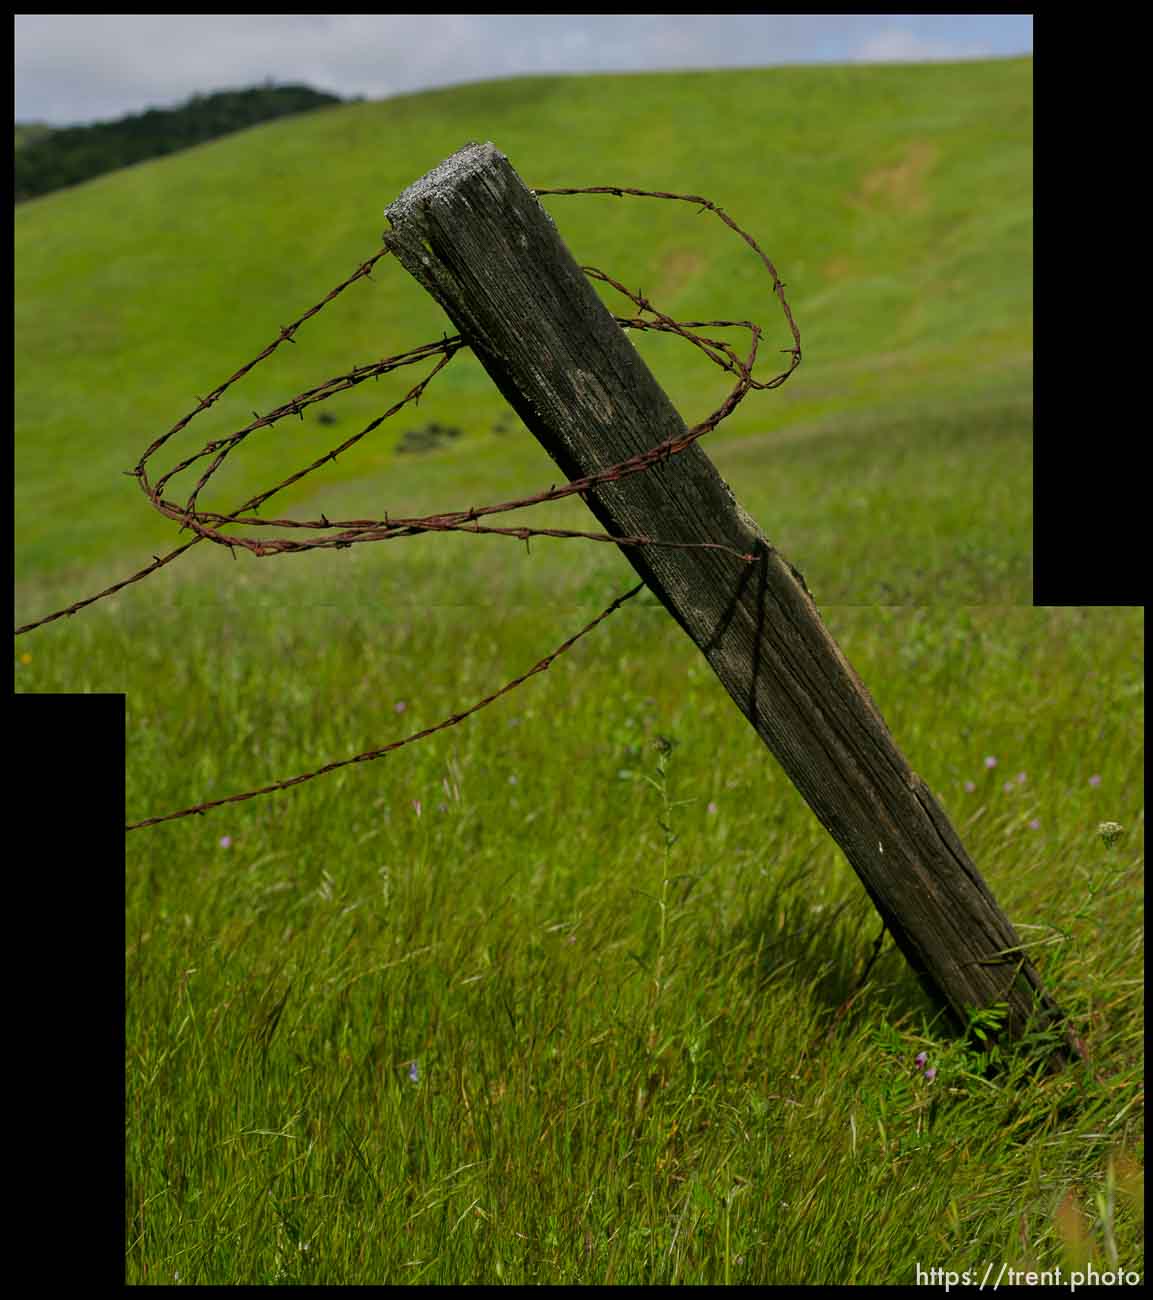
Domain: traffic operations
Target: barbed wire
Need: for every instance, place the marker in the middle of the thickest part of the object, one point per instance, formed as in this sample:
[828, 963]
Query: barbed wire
[211, 526]
[370, 754]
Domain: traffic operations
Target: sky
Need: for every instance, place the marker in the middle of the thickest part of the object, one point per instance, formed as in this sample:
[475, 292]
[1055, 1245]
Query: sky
[74, 68]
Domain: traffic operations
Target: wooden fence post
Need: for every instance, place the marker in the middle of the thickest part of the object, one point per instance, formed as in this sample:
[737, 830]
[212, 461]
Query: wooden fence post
[477, 239]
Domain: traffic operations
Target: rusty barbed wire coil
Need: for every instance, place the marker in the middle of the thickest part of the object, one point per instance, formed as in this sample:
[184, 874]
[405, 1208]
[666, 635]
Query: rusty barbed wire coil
[211, 525]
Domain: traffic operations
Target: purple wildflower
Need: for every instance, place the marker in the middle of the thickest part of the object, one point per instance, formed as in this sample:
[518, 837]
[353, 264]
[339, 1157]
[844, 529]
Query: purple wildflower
[226, 841]
[921, 1058]
[1035, 824]
[413, 1072]
[1021, 778]
[990, 761]
[930, 1074]
[970, 786]
[711, 809]
[1095, 779]
[400, 706]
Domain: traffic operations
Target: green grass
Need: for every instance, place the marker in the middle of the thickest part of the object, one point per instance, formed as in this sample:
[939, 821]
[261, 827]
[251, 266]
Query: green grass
[630, 1063]
[599, 920]
[896, 203]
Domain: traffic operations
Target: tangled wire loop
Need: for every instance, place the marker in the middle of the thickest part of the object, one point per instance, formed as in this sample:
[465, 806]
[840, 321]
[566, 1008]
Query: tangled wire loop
[211, 526]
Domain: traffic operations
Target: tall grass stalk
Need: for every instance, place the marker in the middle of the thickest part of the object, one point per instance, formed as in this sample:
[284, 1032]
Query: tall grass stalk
[664, 747]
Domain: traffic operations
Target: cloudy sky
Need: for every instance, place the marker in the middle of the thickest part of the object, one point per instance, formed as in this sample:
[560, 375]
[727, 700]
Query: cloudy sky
[74, 68]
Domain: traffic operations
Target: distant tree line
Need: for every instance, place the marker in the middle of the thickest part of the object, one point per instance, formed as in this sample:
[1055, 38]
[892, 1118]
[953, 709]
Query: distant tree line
[47, 161]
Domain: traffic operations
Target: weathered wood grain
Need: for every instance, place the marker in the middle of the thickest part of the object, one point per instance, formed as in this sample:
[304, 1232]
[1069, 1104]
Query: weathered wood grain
[479, 241]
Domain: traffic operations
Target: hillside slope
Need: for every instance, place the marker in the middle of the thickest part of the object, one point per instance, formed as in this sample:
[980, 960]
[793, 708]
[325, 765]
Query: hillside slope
[895, 201]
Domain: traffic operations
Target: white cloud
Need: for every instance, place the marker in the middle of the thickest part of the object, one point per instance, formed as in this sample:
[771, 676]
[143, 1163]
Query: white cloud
[899, 45]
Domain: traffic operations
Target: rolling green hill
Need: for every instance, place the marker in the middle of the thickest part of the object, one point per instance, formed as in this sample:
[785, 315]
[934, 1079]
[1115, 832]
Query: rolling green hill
[895, 201]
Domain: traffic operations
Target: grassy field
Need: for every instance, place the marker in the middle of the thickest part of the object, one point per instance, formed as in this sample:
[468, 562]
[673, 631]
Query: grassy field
[473, 1014]
[560, 994]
